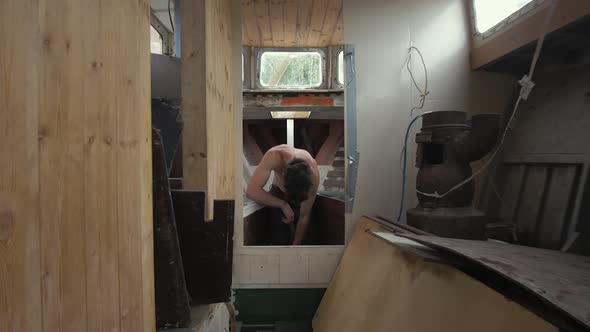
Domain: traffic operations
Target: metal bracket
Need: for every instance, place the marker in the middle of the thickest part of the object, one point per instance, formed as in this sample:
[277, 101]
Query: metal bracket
[352, 154]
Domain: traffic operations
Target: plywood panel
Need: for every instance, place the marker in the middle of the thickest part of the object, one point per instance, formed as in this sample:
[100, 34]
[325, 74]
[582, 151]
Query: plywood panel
[401, 291]
[207, 93]
[292, 23]
[75, 176]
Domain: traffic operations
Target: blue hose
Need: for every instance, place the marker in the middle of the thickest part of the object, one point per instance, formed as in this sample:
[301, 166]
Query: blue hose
[404, 160]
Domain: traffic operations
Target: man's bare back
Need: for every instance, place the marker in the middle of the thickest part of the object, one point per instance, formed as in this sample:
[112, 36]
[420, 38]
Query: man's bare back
[286, 154]
[300, 170]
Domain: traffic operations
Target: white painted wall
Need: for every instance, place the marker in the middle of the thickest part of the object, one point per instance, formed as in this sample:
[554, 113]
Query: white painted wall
[381, 31]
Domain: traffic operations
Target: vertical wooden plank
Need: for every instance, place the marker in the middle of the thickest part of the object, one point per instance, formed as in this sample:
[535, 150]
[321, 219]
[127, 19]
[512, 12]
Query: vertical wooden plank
[511, 193]
[304, 21]
[290, 21]
[193, 87]
[531, 200]
[262, 8]
[134, 166]
[220, 103]
[559, 194]
[277, 23]
[100, 168]
[331, 22]
[338, 35]
[208, 108]
[20, 276]
[318, 17]
[250, 24]
[62, 167]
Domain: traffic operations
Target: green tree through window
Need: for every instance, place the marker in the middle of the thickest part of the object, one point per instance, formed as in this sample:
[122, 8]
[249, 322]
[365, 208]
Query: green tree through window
[291, 70]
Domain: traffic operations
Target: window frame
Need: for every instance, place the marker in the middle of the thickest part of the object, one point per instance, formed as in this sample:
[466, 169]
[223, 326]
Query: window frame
[503, 23]
[257, 54]
[335, 51]
[167, 35]
[161, 40]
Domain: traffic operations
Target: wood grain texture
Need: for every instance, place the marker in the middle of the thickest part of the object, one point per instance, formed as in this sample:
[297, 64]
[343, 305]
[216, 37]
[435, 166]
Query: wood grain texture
[207, 93]
[76, 171]
[560, 280]
[402, 290]
[20, 257]
[292, 23]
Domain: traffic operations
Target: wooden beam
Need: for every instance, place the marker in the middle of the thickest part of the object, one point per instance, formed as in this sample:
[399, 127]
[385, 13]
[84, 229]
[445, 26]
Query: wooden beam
[207, 99]
[75, 168]
[525, 30]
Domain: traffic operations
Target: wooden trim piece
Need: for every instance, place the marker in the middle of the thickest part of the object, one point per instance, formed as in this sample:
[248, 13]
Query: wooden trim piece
[207, 98]
[525, 30]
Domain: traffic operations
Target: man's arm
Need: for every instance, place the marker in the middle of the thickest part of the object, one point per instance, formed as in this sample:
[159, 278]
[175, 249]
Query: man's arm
[255, 190]
[304, 214]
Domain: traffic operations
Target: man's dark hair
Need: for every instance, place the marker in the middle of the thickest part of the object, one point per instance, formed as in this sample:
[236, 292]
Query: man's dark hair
[297, 180]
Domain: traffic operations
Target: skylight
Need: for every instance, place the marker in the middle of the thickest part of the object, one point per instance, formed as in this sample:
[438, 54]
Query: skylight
[488, 13]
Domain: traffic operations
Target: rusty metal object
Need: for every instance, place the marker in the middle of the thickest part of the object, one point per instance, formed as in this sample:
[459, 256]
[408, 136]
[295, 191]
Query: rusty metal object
[447, 143]
[172, 302]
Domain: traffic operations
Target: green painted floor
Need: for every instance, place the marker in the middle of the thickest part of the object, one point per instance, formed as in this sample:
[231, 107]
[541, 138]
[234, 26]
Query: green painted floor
[277, 310]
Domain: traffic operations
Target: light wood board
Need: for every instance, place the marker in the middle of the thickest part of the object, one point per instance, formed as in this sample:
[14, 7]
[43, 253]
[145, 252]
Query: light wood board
[75, 169]
[377, 287]
[292, 23]
[207, 99]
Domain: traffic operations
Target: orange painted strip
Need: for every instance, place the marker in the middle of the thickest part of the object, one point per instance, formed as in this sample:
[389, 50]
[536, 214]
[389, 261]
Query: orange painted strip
[307, 101]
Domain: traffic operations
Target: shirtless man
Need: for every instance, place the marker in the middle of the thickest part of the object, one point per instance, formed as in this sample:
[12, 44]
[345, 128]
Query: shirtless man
[292, 194]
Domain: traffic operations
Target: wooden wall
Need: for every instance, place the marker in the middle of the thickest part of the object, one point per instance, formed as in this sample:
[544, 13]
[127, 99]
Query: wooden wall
[208, 99]
[75, 166]
[292, 23]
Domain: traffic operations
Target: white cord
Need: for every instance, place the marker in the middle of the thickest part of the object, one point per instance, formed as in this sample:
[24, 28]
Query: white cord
[423, 93]
[526, 86]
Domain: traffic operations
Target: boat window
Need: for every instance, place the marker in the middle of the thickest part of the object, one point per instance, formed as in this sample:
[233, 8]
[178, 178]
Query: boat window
[340, 76]
[291, 70]
[156, 42]
[488, 13]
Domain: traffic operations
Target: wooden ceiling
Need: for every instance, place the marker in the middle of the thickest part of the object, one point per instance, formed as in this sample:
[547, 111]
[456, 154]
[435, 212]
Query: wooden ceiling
[292, 23]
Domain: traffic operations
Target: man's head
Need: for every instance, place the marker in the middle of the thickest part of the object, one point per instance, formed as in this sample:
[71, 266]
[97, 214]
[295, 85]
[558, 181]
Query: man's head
[297, 180]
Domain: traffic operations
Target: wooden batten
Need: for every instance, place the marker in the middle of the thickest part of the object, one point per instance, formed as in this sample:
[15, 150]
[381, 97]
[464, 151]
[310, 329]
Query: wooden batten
[75, 168]
[207, 99]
